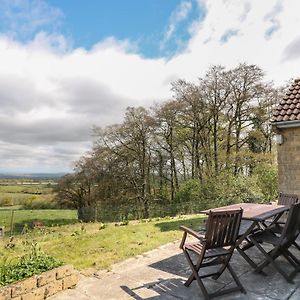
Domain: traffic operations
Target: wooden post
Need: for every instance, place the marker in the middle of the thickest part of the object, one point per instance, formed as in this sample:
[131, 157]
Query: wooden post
[12, 222]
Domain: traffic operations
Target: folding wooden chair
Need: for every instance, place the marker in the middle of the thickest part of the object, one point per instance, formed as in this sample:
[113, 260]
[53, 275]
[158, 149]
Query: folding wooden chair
[281, 244]
[215, 248]
[284, 199]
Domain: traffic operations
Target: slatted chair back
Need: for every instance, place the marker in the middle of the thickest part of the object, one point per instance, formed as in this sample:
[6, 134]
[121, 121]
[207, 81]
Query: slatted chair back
[292, 225]
[287, 199]
[222, 228]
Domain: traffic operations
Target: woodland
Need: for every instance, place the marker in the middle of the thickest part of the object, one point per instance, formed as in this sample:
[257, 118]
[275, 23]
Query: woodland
[209, 145]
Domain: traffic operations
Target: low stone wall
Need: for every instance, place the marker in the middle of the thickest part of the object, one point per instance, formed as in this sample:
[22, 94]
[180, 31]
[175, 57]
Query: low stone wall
[41, 286]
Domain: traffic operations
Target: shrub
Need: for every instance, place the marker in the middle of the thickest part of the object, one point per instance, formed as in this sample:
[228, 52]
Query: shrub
[32, 263]
[191, 196]
[40, 202]
[6, 201]
[217, 191]
[267, 180]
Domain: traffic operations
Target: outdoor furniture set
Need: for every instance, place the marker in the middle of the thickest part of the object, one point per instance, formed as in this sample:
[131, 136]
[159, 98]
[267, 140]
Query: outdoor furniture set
[242, 226]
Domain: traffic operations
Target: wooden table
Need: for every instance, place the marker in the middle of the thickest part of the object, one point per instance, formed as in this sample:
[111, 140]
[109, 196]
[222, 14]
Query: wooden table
[253, 211]
[254, 216]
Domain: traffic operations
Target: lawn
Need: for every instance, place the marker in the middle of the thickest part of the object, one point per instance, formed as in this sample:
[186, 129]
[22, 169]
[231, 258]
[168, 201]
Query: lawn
[47, 217]
[92, 246]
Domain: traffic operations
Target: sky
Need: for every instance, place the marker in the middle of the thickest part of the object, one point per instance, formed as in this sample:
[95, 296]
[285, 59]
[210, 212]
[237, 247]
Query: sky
[66, 66]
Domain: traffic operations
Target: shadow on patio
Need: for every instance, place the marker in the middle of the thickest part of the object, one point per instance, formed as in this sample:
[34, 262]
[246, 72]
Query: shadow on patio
[176, 270]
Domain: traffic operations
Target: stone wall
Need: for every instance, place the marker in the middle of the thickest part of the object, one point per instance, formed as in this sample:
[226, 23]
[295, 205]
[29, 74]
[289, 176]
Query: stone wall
[288, 155]
[41, 286]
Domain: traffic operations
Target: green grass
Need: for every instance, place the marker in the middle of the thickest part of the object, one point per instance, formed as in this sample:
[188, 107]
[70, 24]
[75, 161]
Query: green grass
[49, 217]
[19, 194]
[89, 246]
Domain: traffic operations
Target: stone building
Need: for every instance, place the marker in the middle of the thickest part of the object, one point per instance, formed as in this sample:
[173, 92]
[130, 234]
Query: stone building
[286, 124]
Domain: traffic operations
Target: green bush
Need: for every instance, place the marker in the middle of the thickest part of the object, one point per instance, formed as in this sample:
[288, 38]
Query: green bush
[40, 202]
[191, 196]
[32, 263]
[6, 201]
[218, 191]
[267, 179]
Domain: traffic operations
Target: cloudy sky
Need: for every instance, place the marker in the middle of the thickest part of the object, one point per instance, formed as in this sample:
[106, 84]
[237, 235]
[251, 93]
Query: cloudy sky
[68, 65]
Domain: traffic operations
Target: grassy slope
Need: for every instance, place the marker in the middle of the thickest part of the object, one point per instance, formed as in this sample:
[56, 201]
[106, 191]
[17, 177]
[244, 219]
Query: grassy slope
[86, 245]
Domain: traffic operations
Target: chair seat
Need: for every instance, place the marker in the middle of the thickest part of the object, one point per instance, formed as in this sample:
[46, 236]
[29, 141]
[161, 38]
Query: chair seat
[198, 248]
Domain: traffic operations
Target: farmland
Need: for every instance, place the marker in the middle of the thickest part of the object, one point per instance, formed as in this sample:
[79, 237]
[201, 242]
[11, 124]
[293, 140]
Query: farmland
[27, 193]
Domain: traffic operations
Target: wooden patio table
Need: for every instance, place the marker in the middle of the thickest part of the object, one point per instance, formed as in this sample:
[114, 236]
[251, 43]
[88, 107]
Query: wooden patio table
[254, 216]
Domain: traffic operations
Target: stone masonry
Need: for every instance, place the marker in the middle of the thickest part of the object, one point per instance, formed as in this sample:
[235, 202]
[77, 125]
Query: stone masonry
[286, 122]
[289, 161]
[41, 286]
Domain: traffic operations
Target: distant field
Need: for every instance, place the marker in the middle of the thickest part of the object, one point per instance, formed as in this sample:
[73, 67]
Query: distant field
[27, 218]
[29, 194]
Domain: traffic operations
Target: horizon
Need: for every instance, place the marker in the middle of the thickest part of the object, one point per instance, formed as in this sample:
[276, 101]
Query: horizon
[68, 67]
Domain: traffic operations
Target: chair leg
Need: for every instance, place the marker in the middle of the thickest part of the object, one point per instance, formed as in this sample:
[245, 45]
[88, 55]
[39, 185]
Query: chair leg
[195, 268]
[292, 259]
[271, 260]
[236, 279]
[238, 287]
[246, 257]
[223, 267]
[195, 275]
[296, 245]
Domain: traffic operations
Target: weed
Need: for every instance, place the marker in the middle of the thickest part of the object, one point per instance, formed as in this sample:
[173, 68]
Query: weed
[33, 262]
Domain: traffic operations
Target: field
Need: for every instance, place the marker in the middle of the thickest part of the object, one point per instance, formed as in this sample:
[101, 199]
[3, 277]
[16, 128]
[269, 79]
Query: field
[95, 245]
[27, 193]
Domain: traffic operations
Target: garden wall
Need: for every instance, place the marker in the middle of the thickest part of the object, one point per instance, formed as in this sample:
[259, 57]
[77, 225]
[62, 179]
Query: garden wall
[41, 286]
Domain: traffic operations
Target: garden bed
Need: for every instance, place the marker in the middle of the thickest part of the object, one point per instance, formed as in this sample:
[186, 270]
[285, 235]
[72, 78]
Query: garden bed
[41, 286]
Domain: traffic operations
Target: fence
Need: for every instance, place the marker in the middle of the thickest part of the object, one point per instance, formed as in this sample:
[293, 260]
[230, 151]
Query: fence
[17, 221]
[107, 212]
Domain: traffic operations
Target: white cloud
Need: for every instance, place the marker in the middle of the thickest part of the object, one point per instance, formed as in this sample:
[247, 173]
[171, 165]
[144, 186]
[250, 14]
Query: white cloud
[24, 17]
[52, 95]
[179, 14]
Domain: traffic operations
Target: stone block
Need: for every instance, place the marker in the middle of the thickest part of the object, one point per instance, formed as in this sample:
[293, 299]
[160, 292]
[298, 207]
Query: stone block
[64, 271]
[70, 281]
[46, 277]
[38, 294]
[53, 288]
[5, 293]
[23, 287]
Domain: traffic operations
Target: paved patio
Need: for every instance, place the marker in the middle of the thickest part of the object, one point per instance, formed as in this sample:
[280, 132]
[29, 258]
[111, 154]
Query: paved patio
[160, 274]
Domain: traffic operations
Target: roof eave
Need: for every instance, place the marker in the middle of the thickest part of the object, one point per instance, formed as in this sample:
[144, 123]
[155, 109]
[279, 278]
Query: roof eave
[286, 124]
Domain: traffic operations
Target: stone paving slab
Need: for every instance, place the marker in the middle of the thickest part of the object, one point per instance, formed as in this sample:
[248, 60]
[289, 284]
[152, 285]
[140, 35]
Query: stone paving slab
[161, 273]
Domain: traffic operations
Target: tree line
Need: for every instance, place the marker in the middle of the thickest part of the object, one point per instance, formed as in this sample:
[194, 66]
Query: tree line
[181, 155]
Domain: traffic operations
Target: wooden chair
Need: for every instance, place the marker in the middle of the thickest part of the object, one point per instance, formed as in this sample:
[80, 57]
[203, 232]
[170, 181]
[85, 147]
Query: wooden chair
[281, 244]
[287, 199]
[284, 199]
[214, 248]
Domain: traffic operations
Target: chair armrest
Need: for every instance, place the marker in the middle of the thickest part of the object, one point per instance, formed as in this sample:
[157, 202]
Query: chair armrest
[192, 232]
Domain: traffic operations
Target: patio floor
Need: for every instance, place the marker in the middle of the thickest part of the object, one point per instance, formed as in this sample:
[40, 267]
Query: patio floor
[160, 274]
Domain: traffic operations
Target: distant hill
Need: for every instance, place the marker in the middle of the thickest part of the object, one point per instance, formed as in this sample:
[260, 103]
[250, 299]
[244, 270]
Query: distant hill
[35, 176]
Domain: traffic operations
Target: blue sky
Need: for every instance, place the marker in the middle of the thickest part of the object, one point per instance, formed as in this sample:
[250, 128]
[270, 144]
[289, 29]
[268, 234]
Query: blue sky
[145, 23]
[69, 65]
